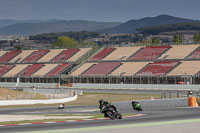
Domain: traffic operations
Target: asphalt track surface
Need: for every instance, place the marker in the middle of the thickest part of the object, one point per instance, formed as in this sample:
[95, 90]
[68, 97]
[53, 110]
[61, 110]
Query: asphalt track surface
[151, 115]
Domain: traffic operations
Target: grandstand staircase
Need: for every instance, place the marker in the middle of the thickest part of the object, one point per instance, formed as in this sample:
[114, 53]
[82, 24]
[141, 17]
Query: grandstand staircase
[108, 53]
[37, 70]
[95, 53]
[13, 56]
[142, 69]
[62, 57]
[8, 70]
[192, 53]
[102, 56]
[173, 67]
[84, 57]
[162, 54]
[87, 69]
[65, 70]
[114, 69]
[72, 55]
[42, 55]
[17, 75]
[28, 57]
[129, 58]
[23, 71]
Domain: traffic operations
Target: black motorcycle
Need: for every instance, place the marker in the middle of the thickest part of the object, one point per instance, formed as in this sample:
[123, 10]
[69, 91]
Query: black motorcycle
[110, 112]
[62, 106]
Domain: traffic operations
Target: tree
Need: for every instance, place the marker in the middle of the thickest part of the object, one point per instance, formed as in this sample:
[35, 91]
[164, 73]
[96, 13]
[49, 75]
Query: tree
[196, 38]
[177, 39]
[18, 47]
[155, 40]
[65, 42]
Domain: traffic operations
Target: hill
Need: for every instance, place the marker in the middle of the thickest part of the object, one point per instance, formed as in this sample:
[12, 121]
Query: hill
[55, 26]
[7, 22]
[154, 30]
[131, 26]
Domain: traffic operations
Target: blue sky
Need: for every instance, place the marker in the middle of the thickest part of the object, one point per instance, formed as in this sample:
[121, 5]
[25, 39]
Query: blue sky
[97, 10]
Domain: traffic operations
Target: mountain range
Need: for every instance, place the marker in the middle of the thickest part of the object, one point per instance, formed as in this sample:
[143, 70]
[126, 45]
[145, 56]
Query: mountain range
[55, 26]
[131, 26]
[30, 27]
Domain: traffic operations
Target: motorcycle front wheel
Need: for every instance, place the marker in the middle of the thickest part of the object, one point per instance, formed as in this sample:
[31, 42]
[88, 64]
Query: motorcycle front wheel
[110, 114]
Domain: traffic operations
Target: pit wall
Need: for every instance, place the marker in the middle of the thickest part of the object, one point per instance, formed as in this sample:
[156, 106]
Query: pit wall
[158, 103]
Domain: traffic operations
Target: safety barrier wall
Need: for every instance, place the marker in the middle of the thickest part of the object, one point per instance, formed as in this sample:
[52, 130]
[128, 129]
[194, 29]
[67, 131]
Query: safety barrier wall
[136, 86]
[42, 85]
[158, 103]
[30, 102]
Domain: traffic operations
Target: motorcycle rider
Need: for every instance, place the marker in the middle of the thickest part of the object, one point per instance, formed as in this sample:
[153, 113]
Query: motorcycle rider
[136, 105]
[107, 104]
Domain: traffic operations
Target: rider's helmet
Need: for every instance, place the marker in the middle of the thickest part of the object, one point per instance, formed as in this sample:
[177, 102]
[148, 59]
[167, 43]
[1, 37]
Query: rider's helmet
[101, 101]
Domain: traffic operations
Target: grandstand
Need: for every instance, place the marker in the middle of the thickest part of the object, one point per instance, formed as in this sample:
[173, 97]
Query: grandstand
[179, 52]
[36, 55]
[128, 68]
[121, 53]
[158, 68]
[140, 64]
[149, 53]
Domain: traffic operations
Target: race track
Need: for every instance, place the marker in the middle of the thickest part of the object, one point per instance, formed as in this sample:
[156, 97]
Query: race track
[151, 116]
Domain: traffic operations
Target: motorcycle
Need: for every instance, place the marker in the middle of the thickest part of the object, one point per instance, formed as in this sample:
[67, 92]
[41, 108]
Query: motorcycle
[111, 112]
[62, 106]
[137, 106]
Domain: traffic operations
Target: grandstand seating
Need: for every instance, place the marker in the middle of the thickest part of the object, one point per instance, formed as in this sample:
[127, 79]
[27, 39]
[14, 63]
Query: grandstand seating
[158, 68]
[5, 68]
[102, 69]
[149, 53]
[121, 53]
[35, 56]
[128, 68]
[24, 54]
[65, 55]
[9, 55]
[50, 55]
[44, 70]
[102, 54]
[79, 54]
[81, 69]
[13, 72]
[27, 72]
[195, 55]
[186, 68]
[2, 52]
[179, 51]
[58, 70]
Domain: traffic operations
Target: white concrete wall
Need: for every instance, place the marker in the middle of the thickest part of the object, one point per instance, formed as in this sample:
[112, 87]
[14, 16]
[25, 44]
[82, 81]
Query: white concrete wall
[136, 86]
[30, 102]
[157, 103]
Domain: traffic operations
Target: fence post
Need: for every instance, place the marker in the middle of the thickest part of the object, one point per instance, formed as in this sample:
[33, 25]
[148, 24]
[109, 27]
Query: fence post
[178, 94]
